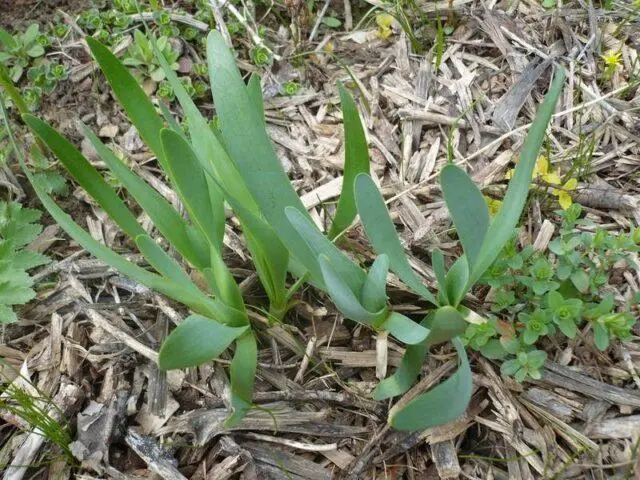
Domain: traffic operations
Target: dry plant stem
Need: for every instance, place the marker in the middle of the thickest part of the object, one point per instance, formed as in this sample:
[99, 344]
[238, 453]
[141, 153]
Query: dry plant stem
[308, 447]
[121, 336]
[157, 459]
[321, 15]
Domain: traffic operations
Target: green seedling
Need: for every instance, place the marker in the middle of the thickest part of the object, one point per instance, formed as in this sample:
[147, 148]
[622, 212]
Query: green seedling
[141, 57]
[19, 50]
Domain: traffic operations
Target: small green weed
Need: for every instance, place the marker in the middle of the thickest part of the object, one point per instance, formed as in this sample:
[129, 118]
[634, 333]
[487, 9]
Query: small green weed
[18, 51]
[18, 228]
[537, 296]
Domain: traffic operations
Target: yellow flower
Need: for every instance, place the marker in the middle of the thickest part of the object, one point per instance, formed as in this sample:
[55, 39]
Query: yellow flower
[384, 21]
[612, 59]
[541, 171]
[564, 197]
[493, 205]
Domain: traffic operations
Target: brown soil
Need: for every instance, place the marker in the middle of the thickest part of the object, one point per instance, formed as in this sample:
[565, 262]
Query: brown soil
[17, 13]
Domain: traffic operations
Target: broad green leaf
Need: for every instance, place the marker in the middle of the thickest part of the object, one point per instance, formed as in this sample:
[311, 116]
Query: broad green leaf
[172, 226]
[408, 371]
[374, 290]
[7, 315]
[456, 281]
[255, 159]
[211, 153]
[242, 372]
[445, 324]
[222, 282]
[437, 262]
[131, 96]
[343, 296]
[443, 403]
[349, 272]
[405, 329]
[270, 256]
[195, 341]
[356, 161]
[382, 234]
[468, 210]
[86, 175]
[254, 89]
[203, 200]
[504, 223]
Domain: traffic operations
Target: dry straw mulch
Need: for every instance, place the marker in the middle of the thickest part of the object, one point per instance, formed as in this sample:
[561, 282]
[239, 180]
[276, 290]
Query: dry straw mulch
[90, 342]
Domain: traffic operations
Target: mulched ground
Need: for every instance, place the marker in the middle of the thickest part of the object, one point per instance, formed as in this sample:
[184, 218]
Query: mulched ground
[90, 339]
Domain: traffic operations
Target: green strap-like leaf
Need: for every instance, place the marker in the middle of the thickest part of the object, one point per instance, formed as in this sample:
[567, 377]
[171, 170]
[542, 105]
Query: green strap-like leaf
[131, 96]
[407, 373]
[349, 272]
[374, 290]
[86, 175]
[222, 282]
[382, 234]
[356, 160]
[254, 89]
[194, 299]
[172, 226]
[468, 210]
[270, 256]
[445, 324]
[195, 341]
[242, 372]
[457, 281]
[405, 329]
[162, 262]
[343, 296]
[504, 223]
[255, 159]
[441, 404]
[171, 121]
[203, 200]
[437, 262]
[211, 153]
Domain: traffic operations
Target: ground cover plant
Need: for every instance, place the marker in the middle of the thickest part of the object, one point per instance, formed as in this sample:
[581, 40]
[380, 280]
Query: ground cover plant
[353, 229]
